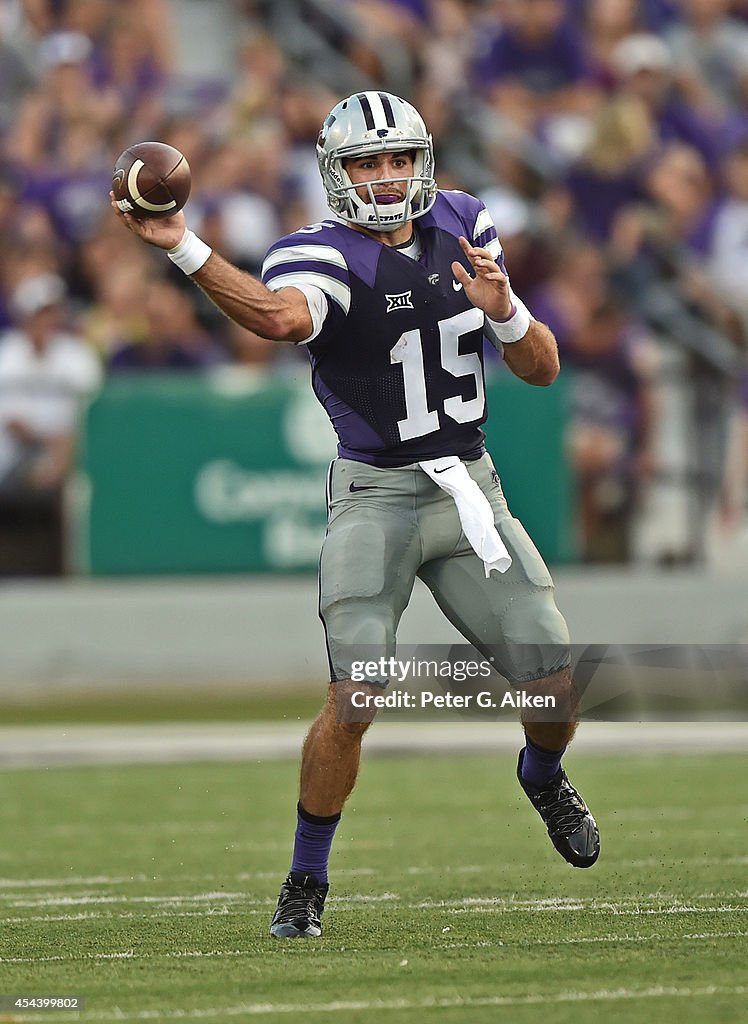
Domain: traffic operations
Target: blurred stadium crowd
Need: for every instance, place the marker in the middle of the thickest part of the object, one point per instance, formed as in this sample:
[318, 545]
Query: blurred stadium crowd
[608, 138]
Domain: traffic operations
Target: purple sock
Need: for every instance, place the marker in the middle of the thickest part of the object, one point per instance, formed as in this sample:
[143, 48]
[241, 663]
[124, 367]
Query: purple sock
[312, 843]
[540, 765]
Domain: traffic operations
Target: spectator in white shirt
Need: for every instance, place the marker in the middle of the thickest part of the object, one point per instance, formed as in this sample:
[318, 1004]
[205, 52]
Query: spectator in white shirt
[46, 373]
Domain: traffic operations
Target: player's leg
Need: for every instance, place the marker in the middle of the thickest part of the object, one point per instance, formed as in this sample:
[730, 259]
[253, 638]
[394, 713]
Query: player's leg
[329, 767]
[513, 619]
[369, 561]
[332, 751]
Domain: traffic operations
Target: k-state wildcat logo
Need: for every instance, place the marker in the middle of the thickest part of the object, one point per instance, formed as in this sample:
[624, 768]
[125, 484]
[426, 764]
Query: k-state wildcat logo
[402, 301]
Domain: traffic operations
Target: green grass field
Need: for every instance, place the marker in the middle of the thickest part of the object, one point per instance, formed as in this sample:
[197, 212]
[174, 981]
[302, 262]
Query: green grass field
[148, 891]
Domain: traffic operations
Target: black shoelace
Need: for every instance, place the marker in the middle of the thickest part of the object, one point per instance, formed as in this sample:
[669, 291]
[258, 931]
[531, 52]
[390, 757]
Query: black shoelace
[562, 809]
[298, 902]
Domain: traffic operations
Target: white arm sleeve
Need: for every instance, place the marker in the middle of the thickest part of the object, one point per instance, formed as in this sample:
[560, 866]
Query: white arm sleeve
[316, 300]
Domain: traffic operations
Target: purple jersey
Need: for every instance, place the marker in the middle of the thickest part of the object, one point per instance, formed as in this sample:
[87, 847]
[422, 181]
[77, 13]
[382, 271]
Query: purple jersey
[398, 362]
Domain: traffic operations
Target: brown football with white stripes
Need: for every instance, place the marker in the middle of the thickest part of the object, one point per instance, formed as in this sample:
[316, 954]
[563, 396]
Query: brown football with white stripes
[151, 179]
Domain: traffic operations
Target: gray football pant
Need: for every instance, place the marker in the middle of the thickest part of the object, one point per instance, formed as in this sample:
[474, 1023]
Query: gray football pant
[387, 526]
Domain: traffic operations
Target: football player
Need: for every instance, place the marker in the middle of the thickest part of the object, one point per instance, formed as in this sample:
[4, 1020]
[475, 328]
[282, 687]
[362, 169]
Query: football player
[392, 299]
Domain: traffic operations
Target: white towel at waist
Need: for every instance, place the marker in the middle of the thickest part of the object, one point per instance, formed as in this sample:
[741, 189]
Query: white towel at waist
[473, 508]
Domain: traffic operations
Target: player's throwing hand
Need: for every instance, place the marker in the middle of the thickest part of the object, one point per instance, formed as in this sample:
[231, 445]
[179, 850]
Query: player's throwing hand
[165, 233]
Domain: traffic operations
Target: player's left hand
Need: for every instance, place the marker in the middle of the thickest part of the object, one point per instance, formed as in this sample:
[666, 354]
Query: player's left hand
[489, 289]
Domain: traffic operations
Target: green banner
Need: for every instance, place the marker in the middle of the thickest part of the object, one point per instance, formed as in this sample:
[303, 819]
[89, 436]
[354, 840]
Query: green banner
[226, 473]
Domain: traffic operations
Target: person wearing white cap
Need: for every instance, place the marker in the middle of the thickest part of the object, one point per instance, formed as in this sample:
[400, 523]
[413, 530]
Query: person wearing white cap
[45, 374]
[647, 70]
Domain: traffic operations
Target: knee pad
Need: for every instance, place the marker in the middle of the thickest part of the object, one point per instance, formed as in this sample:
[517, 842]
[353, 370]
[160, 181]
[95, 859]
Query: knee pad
[535, 638]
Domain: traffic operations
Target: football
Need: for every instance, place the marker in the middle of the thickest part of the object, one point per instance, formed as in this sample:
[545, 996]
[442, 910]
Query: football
[151, 179]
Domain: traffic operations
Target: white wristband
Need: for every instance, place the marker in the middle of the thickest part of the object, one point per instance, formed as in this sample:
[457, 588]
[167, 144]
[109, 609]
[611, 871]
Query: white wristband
[190, 254]
[513, 329]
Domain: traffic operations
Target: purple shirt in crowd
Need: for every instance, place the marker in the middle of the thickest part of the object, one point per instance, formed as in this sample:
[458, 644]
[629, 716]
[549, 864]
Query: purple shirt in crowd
[558, 62]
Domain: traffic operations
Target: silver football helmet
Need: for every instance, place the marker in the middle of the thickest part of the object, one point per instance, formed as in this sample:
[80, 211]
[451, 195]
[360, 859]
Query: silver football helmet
[375, 122]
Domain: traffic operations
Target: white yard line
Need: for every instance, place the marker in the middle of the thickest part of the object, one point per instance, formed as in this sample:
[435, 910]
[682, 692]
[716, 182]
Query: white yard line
[564, 903]
[637, 912]
[156, 901]
[88, 880]
[665, 902]
[118, 915]
[183, 901]
[168, 907]
[74, 880]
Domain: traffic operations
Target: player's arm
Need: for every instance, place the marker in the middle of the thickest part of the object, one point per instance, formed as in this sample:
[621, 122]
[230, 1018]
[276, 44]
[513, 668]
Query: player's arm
[280, 316]
[529, 347]
[535, 357]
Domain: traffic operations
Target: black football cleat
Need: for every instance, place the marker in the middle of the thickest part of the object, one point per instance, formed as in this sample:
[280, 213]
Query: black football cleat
[300, 905]
[570, 825]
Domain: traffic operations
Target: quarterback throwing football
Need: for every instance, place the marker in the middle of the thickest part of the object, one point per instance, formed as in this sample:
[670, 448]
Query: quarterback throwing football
[392, 299]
